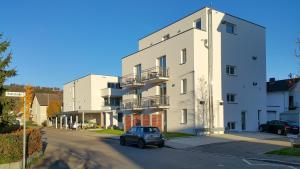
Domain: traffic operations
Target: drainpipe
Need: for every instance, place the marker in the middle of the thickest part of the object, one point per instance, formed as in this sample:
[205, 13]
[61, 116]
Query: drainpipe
[210, 71]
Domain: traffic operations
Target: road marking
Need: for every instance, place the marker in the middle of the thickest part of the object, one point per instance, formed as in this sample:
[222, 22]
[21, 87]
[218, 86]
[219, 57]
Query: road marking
[272, 165]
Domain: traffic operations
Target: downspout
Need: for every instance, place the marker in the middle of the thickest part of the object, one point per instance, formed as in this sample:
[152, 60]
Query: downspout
[210, 71]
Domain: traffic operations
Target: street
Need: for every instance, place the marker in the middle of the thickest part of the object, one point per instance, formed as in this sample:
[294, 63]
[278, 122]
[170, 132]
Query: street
[71, 149]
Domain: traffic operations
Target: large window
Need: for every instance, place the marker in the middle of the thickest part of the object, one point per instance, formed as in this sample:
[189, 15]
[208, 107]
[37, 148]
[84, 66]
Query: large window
[113, 85]
[230, 70]
[183, 56]
[183, 86]
[183, 116]
[231, 98]
[111, 101]
[230, 28]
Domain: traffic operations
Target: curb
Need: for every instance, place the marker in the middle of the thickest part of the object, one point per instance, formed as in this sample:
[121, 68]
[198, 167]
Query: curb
[275, 161]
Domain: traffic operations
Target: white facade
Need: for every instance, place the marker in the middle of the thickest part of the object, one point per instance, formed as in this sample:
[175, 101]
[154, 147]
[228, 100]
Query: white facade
[180, 86]
[282, 96]
[38, 112]
[96, 96]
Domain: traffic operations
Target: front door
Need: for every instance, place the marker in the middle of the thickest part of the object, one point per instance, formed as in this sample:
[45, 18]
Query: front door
[243, 119]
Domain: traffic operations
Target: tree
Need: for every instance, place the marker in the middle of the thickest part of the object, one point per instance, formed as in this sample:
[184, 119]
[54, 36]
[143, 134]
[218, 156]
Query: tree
[53, 108]
[28, 98]
[6, 117]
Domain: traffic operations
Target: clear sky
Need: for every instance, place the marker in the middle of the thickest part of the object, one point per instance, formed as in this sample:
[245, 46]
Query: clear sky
[55, 41]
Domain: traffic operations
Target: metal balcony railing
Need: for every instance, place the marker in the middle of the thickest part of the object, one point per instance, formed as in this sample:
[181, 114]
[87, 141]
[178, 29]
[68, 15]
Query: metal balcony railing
[131, 80]
[155, 101]
[155, 73]
[152, 75]
[146, 102]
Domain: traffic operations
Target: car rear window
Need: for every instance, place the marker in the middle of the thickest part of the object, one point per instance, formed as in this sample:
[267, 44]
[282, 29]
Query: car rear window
[150, 129]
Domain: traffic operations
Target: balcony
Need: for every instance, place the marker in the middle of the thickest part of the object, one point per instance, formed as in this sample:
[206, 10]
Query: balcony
[156, 102]
[155, 75]
[148, 76]
[108, 107]
[131, 81]
[111, 92]
[152, 102]
[131, 104]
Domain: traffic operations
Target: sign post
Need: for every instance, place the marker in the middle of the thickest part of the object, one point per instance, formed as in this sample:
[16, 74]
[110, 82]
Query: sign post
[21, 94]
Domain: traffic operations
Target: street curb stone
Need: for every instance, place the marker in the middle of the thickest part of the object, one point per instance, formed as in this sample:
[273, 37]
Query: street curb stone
[275, 161]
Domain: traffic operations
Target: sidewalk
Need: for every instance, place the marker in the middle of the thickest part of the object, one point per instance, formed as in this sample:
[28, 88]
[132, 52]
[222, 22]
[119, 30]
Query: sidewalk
[189, 142]
[102, 135]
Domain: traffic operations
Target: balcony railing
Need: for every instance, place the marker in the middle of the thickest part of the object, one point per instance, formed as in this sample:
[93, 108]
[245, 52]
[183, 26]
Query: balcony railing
[145, 103]
[152, 75]
[131, 80]
[111, 92]
[155, 75]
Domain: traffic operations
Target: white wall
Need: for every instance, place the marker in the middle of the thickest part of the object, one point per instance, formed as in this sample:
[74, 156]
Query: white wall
[228, 49]
[87, 92]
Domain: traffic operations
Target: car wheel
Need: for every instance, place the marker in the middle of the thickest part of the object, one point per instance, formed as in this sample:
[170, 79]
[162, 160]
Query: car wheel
[122, 141]
[279, 132]
[141, 144]
[161, 145]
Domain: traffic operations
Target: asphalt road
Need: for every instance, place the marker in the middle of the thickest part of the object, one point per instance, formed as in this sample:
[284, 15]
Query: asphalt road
[71, 149]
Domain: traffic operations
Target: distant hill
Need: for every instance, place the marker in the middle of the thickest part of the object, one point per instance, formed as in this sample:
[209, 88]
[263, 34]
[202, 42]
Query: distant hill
[36, 89]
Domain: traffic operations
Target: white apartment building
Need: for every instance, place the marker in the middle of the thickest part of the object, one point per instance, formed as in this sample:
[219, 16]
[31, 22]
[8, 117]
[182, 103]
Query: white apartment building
[282, 96]
[93, 99]
[203, 73]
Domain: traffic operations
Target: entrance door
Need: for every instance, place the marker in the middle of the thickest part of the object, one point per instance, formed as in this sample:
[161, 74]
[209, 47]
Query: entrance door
[243, 119]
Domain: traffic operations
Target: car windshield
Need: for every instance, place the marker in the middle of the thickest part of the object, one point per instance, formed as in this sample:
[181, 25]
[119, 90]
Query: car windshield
[291, 123]
[150, 129]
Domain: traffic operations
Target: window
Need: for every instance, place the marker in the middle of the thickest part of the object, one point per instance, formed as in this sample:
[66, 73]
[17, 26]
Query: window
[230, 70]
[183, 56]
[231, 98]
[120, 117]
[183, 116]
[113, 85]
[167, 36]
[198, 24]
[231, 125]
[230, 28]
[183, 86]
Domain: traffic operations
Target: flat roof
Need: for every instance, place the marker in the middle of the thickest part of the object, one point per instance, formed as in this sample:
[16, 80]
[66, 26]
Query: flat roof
[81, 77]
[196, 12]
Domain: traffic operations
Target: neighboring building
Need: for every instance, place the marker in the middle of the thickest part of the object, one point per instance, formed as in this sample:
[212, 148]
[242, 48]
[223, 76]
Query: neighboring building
[93, 99]
[203, 73]
[282, 96]
[40, 104]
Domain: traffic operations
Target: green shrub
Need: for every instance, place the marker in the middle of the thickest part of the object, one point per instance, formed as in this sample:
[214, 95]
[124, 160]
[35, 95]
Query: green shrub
[11, 147]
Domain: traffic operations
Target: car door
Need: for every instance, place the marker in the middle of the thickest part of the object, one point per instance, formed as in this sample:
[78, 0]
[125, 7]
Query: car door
[129, 135]
[136, 135]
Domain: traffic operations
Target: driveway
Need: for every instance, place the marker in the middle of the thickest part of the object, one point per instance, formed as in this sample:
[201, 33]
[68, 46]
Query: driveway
[72, 149]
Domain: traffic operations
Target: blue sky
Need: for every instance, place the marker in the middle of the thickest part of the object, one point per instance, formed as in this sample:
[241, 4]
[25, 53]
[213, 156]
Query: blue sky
[55, 41]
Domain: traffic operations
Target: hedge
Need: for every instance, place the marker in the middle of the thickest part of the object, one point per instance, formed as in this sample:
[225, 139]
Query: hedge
[11, 147]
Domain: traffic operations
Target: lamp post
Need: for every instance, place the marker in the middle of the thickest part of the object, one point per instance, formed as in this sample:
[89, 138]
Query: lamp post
[21, 94]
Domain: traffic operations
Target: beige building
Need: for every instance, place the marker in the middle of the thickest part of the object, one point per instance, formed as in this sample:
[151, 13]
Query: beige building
[40, 104]
[93, 99]
[203, 73]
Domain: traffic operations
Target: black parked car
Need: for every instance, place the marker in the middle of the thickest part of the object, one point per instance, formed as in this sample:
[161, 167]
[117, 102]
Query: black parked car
[279, 127]
[143, 136]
